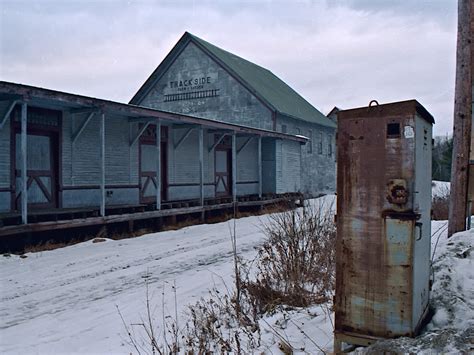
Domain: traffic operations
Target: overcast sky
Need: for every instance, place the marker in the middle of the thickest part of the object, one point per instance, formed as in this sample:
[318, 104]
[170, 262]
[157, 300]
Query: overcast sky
[334, 53]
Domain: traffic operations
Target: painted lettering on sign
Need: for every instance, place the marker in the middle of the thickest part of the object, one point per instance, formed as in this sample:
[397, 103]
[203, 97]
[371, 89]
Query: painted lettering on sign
[176, 84]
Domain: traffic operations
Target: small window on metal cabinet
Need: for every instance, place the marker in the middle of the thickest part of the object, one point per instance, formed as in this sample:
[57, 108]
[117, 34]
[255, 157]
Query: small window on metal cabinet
[393, 130]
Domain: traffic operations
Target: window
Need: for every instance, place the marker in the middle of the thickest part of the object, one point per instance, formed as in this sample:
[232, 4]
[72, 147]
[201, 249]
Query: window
[393, 130]
[320, 143]
[310, 143]
[297, 130]
[329, 145]
[283, 128]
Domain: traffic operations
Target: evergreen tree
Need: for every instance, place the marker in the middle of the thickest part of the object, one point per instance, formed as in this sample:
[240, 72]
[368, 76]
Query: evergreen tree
[442, 157]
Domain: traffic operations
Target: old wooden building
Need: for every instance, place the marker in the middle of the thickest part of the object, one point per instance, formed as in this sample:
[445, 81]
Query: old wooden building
[207, 130]
[201, 79]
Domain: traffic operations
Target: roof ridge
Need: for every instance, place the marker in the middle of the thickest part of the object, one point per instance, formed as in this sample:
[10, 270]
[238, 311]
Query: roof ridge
[226, 51]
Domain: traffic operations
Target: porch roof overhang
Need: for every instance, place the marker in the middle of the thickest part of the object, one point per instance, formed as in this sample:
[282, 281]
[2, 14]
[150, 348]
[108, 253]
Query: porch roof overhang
[77, 103]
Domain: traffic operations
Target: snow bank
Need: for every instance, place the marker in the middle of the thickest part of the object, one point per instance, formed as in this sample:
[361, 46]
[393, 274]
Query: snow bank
[64, 300]
[451, 330]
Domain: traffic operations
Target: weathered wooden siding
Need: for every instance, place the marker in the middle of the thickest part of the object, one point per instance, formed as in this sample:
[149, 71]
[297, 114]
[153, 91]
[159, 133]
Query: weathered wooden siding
[81, 162]
[4, 159]
[247, 166]
[269, 165]
[183, 165]
[231, 103]
[288, 166]
[318, 166]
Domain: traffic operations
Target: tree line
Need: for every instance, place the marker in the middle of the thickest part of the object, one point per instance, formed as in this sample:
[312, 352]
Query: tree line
[442, 157]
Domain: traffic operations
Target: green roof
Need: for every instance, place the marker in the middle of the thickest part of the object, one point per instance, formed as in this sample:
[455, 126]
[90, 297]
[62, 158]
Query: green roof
[260, 81]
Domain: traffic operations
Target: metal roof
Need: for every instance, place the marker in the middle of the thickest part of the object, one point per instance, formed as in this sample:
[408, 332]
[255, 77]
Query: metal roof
[62, 100]
[392, 108]
[261, 82]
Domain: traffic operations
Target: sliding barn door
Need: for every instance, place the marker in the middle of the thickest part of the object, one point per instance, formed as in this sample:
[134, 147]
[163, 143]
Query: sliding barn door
[42, 159]
[148, 163]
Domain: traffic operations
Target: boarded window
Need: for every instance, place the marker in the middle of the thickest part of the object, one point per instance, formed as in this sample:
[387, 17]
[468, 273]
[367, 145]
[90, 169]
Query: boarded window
[320, 143]
[310, 143]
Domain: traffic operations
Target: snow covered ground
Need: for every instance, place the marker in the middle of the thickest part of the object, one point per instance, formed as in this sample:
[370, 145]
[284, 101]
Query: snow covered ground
[64, 301]
[440, 188]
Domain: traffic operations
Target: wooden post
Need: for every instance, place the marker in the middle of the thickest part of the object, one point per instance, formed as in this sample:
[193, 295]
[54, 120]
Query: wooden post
[24, 163]
[462, 120]
[234, 167]
[102, 164]
[260, 181]
[201, 165]
[158, 165]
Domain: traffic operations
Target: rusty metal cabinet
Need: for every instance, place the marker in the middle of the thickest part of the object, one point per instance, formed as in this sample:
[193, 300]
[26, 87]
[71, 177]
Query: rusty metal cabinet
[383, 221]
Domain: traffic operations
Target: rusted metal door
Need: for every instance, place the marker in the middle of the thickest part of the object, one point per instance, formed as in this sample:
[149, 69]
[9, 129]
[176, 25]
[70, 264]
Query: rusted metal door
[42, 159]
[223, 171]
[148, 161]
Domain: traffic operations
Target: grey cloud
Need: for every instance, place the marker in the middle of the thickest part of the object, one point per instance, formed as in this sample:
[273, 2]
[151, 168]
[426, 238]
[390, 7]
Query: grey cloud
[340, 53]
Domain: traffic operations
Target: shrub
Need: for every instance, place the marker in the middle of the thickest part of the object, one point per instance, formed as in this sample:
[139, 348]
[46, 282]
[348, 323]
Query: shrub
[296, 263]
[440, 203]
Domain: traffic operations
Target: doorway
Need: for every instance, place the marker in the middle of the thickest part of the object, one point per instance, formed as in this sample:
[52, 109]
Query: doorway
[223, 168]
[147, 165]
[43, 147]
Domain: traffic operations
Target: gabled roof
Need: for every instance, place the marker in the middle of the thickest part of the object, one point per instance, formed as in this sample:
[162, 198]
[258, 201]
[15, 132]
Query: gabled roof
[335, 109]
[261, 82]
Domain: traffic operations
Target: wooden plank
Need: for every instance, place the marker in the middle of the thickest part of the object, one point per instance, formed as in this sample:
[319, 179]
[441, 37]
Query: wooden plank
[216, 143]
[201, 165]
[102, 164]
[234, 167]
[83, 126]
[462, 119]
[24, 163]
[260, 181]
[131, 110]
[242, 147]
[7, 113]
[158, 165]
[91, 221]
[183, 138]
[139, 134]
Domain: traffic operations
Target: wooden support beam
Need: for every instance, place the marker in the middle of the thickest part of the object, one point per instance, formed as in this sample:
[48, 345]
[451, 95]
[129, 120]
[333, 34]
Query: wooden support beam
[246, 143]
[462, 119]
[201, 165]
[260, 181]
[7, 114]
[141, 119]
[183, 138]
[216, 143]
[216, 130]
[24, 163]
[139, 134]
[76, 111]
[102, 164]
[234, 168]
[185, 125]
[158, 165]
[83, 126]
